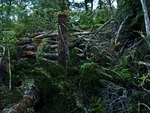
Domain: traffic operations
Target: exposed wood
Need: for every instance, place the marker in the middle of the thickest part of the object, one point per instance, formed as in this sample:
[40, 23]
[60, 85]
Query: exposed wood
[29, 54]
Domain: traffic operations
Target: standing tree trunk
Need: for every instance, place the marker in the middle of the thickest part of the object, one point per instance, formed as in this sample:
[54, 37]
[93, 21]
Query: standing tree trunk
[146, 17]
[91, 5]
[86, 5]
[62, 39]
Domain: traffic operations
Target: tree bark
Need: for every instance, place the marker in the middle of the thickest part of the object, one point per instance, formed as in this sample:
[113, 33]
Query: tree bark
[146, 17]
[62, 39]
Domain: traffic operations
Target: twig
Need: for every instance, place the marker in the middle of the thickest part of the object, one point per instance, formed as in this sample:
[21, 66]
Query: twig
[123, 46]
[135, 44]
[101, 27]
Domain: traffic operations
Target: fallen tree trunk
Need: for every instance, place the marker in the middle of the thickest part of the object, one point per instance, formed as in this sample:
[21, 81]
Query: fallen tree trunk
[54, 46]
[46, 35]
[29, 99]
[50, 56]
[25, 41]
[55, 34]
[28, 47]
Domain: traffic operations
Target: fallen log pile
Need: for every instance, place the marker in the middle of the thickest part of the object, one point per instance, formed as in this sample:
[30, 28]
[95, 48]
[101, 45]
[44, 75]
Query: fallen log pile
[34, 45]
[44, 45]
[30, 46]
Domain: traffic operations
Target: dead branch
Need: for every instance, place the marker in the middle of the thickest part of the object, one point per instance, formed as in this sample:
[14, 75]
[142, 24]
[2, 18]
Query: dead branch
[104, 25]
[120, 27]
[144, 105]
[80, 50]
[97, 31]
[144, 63]
[115, 98]
[135, 44]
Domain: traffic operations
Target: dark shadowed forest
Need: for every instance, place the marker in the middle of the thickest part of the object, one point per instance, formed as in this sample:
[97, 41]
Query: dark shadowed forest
[74, 56]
